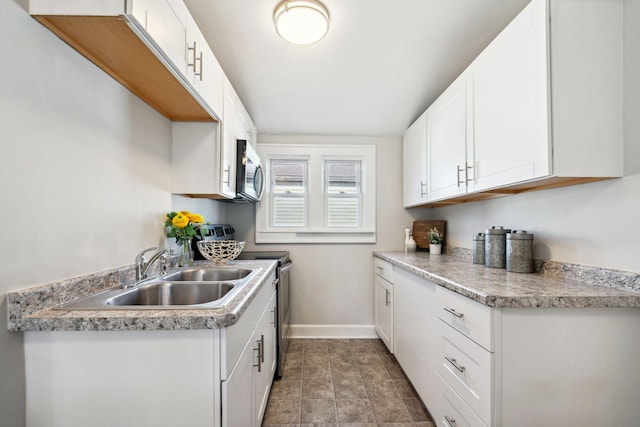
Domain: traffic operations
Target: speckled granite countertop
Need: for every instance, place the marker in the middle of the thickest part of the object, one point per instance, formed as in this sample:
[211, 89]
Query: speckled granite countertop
[498, 288]
[31, 309]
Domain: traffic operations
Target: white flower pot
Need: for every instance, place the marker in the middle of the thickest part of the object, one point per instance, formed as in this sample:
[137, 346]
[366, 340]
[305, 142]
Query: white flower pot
[435, 249]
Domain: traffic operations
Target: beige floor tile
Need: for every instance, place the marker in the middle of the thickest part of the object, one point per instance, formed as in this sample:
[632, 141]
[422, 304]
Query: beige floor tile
[343, 383]
[395, 372]
[292, 373]
[294, 358]
[390, 410]
[362, 346]
[286, 390]
[315, 346]
[354, 410]
[417, 410]
[317, 389]
[318, 411]
[349, 388]
[374, 372]
[367, 359]
[377, 389]
[316, 359]
[282, 411]
[316, 372]
[405, 389]
[339, 346]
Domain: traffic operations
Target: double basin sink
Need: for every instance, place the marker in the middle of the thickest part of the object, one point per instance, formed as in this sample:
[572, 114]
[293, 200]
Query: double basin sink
[185, 288]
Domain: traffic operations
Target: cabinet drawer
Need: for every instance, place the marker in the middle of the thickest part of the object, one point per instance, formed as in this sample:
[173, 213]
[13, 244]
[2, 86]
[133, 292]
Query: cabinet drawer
[467, 368]
[466, 316]
[384, 269]
[454, 412]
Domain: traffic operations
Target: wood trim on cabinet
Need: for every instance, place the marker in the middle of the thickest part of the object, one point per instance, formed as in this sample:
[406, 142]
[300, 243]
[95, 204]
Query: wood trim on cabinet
[109, 42]
[542, 184]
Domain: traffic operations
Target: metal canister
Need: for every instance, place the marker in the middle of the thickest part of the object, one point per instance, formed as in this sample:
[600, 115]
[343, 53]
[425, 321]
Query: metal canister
[495, 247]
[520, 252]
[478, 248]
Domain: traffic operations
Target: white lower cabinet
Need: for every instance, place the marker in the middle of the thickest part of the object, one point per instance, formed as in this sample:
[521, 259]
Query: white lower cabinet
[195, 378]
[415, 343]
[475, 365]
[383, 305]
[245, 392]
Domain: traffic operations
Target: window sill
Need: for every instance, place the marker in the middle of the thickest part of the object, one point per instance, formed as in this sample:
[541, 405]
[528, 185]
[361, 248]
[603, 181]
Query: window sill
[315, 237]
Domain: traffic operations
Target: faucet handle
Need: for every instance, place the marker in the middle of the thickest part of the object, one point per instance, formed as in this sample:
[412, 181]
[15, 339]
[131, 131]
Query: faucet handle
[140, 256]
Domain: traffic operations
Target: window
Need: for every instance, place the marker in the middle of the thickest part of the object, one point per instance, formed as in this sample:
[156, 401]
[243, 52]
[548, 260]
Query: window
[317, 194]
[342, 193]
[288, 190]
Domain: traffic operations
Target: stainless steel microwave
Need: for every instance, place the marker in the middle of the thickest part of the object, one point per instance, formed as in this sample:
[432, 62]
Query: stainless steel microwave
[249, 175]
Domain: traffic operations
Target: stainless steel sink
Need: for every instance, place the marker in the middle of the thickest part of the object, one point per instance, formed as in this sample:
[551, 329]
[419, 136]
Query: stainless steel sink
[178, 289]
[172, 293]
[207, 275]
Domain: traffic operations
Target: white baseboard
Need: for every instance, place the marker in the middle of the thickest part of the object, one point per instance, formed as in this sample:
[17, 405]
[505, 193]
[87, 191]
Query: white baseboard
[333, 331]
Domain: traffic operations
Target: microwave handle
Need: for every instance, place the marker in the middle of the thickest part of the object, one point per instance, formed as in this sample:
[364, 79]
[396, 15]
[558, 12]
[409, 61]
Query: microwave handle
[255, 175]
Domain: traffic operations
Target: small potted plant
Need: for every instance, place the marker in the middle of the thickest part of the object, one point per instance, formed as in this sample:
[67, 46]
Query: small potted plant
[435, 241]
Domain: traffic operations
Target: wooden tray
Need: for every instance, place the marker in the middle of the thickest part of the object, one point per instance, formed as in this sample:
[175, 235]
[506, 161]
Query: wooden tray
[421, 233]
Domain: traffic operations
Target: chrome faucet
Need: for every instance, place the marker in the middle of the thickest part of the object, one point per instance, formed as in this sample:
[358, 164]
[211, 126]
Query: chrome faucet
[142, 266]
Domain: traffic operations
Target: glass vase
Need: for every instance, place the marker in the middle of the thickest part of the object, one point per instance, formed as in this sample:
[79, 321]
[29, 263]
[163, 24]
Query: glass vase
[185, 257]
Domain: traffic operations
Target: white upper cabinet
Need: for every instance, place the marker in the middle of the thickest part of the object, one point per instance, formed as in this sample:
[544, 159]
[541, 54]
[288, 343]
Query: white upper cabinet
[414, 158]
[152, 47]
[508, 92]
[448, 163]
[540, 107]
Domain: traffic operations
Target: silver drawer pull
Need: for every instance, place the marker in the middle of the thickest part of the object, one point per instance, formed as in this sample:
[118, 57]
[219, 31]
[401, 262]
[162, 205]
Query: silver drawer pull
[454, 363]
[379, 268]
[452, 311]
[450, 421]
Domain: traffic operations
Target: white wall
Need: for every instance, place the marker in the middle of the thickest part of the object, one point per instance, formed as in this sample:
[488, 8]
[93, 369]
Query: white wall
[592, 224]
[333, 283]
[84, 175]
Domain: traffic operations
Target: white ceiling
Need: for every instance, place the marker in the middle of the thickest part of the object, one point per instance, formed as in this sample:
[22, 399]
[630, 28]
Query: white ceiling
[381, 64]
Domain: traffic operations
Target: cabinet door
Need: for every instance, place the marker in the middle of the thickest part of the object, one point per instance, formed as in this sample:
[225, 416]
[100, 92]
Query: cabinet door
[510, 104]
[238, 398]
[266, 334]
[415, 334]
[203, 70]
[166, 30]
[228, 146]
[414, 163]
[447, 172]
[384, 311]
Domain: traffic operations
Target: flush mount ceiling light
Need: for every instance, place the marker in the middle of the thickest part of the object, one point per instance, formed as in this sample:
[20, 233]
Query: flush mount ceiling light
[301, 21]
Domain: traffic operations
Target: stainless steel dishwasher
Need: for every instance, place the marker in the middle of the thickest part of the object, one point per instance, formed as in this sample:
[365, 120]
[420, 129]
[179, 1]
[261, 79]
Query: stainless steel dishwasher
[283, 306]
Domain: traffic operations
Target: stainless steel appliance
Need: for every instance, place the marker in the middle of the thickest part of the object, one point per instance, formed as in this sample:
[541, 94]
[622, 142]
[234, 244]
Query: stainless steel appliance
[249, 176]
[283, 306]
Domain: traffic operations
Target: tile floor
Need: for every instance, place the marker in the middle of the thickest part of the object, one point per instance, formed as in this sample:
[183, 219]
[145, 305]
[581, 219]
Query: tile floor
[346, 383]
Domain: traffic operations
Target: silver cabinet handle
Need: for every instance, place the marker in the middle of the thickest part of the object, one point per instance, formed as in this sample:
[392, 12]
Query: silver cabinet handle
[452, 311]
[423, 188]
[261, 346]
[458, 175]
[454, 363]
[259, 365]
[466, 172]
[189, 48]
[199, 73]
[380, 268]
[275, 317]
[226, 170]
[387, 295]
[450, 421]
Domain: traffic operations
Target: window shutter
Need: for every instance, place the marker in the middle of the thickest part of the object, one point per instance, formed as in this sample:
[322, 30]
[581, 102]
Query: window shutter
[289, 192]
[343, 193]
